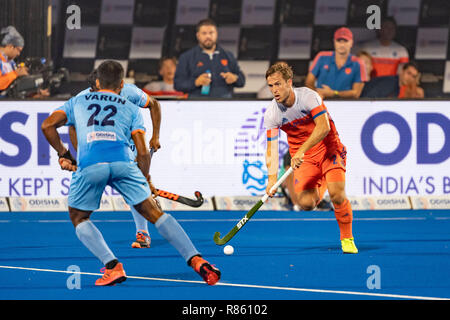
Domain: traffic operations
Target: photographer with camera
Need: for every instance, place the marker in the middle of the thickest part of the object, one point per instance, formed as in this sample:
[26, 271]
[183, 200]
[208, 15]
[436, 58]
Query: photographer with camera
[33, 78]
[11, 46]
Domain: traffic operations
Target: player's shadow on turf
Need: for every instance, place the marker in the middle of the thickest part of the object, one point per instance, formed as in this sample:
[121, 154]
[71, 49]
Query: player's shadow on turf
[298, 250]
[127, 243]
[338, 249]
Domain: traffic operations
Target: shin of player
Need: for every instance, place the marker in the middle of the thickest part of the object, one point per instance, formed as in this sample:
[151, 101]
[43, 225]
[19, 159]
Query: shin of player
[169, 228]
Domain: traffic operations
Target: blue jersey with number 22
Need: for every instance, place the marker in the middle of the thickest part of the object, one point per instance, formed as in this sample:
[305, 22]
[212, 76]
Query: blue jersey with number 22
[104, 122]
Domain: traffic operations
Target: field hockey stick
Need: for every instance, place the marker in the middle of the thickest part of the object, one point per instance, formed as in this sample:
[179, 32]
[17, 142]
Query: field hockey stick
[197, 202]
[221, 241]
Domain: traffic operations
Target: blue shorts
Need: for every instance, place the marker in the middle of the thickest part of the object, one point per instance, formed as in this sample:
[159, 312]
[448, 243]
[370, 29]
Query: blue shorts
[88, 184]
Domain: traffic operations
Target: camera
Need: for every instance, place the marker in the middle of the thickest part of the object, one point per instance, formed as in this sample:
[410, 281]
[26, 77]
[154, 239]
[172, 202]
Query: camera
[41, 76]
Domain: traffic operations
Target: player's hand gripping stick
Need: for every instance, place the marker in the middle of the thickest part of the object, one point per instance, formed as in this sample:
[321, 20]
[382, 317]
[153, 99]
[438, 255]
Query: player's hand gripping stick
[221, 241]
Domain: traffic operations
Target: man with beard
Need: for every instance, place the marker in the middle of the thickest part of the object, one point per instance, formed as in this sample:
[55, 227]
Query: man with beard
[207, 70]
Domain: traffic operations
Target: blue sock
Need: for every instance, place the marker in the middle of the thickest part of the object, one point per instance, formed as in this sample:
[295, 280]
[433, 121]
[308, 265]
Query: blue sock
[139, 220]
[91, 237]
[171, 230]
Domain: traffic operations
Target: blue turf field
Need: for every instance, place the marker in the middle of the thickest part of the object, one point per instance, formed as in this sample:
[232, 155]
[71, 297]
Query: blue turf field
[278, 255]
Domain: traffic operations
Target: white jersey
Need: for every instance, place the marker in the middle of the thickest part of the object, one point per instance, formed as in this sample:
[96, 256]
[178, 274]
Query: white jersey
[298, 120]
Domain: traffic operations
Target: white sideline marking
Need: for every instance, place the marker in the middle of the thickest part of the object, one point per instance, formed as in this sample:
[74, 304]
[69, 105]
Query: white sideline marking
[382, 295]
[237, 219]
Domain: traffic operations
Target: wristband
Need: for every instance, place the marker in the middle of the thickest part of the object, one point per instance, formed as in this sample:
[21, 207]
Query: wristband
[68, 155]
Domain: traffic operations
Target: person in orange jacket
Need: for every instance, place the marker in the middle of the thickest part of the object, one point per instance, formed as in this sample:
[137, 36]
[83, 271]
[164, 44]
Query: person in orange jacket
[11, 46]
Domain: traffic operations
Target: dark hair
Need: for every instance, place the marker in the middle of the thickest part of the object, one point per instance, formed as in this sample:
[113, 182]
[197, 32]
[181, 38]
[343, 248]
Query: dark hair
[384, 20]
[389, 19]
[363, 53]
[92, 77]
[205, 22]
[281, 67]
[410, 64]
[163, 59]
[110, 74]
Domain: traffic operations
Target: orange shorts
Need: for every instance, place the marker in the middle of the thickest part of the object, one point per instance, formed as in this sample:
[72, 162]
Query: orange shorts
[314, 169]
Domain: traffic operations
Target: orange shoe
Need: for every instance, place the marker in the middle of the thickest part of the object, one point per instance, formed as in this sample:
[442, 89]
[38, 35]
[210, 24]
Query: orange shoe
[209, 273]
[112, 276]
[143, 240]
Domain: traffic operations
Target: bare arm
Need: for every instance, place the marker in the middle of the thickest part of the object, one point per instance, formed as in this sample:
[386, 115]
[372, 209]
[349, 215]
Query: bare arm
[49, 126]
[272, 158]
[73, 137]
[310, 81]
[143, 155]
[354, 93]
[320, 131]
[155, 114]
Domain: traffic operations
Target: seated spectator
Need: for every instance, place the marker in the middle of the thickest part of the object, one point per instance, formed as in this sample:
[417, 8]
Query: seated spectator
[11, 46]
[366, 58]
[404, 85]
[387, 55]
[167, 67]
[338, 73]
[208, 70]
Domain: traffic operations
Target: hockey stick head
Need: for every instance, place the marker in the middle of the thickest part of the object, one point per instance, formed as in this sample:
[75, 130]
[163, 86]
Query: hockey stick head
[217, 239]
[199, 197]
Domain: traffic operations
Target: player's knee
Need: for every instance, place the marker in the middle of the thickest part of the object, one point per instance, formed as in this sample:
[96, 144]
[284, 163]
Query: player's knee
[307, 207]
[150, 209]
[337, 198]
[78, 217]
[307, 204]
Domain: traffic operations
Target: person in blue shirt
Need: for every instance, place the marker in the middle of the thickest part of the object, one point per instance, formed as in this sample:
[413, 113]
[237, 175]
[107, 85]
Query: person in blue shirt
[338, 73]
[105, 122]
[207, 70]
[138, 97]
